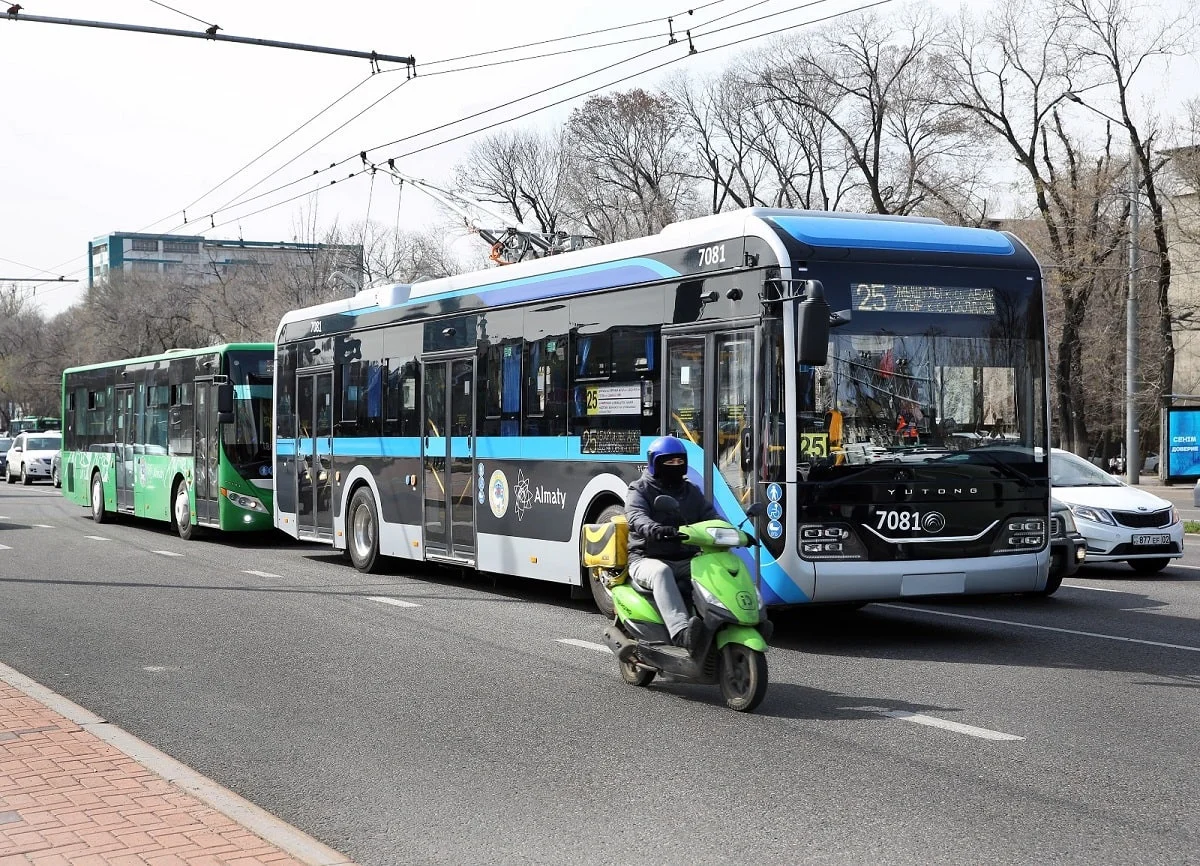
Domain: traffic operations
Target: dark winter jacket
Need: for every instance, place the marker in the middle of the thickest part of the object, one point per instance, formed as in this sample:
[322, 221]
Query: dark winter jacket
[642, 517]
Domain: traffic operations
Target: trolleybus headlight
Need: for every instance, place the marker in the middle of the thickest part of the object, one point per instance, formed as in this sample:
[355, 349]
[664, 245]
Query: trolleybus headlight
[1021, 534]
[830, 541]
[241, 500]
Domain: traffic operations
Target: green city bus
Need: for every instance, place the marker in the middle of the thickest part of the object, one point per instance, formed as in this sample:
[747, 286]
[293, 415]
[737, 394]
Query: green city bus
[183, 437]
[32, 424]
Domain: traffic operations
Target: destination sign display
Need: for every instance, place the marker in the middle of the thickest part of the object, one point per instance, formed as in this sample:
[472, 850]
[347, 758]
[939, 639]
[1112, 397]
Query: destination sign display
[893, 298]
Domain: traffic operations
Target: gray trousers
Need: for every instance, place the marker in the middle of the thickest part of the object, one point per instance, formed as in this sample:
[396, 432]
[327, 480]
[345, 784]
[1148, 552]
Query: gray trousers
[661, 577]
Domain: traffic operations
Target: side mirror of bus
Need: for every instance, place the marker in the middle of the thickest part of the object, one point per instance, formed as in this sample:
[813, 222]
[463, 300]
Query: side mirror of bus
[812, 326]
[225, 403]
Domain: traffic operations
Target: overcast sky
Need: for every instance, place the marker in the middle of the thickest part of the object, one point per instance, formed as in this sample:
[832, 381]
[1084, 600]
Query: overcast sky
[110, 131]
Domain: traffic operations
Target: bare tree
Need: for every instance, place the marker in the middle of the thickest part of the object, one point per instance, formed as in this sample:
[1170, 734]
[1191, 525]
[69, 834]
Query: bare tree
[869, 84]
[1120, 40]
[522, 171]
[629, 170]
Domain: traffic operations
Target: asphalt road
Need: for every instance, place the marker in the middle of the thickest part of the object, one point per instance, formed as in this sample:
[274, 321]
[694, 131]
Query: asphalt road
[482, 724]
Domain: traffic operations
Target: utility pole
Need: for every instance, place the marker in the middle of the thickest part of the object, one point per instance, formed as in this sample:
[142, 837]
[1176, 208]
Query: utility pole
[1132, 431]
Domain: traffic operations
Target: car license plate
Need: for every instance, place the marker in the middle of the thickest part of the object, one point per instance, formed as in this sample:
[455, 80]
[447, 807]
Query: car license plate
[1140, 540]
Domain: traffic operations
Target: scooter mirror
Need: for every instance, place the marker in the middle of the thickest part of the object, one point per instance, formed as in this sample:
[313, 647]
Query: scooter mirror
[756, 510]
[665, 503]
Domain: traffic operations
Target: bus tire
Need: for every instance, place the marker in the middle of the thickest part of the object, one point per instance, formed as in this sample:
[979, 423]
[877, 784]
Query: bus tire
[601, 594]
[181, 511]
[99, 513]
[362, 531]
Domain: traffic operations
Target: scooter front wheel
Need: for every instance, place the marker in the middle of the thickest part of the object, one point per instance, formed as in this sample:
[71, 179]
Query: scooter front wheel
[742, 673]
[635, 674]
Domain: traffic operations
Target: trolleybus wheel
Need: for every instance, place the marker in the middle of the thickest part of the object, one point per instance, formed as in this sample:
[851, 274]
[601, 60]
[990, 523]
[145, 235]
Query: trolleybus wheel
[601, 594]
[181, 512]
[743, 676]
[363, 531]
[99, 514]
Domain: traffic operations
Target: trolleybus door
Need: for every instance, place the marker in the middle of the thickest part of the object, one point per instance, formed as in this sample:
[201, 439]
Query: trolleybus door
[710, 403]
[314, 454]
[448, 445]
[126, 436]
[206, 481]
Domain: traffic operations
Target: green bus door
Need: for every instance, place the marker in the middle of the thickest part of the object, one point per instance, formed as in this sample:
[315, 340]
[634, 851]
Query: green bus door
[207, 480]
[126, 437]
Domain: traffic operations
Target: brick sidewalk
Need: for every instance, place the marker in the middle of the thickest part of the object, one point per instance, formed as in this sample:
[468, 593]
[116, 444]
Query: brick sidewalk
[69, 797]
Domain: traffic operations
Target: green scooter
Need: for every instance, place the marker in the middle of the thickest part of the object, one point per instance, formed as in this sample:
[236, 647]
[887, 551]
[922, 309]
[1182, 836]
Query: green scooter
[734, 629]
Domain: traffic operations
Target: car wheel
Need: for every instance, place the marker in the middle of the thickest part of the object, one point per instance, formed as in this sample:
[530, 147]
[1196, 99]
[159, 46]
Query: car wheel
[25, 479]
[8, 477]
[54, 479]
[1149, 566]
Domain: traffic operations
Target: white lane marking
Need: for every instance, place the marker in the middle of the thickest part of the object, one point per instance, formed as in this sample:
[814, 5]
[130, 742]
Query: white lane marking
[43, 526]
[1189, 567]
[5, 547]
[159, 669]
[586, 644]
[1191, 649]
[166, 553]
[261, 573]
[96, 537]
[934, 722]
[383, 599]
[1092, 588]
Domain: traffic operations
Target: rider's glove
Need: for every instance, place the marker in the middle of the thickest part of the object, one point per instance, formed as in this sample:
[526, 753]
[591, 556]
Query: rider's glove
[663, 533]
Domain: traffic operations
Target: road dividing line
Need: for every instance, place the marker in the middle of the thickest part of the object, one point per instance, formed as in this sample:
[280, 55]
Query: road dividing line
[5, 547]
[262, 573]
[395, 602]
[1114, 637]
[166, 553]
[586, 644]
[96, 537]
[1092, 588]
[933, 722]
[43, 526]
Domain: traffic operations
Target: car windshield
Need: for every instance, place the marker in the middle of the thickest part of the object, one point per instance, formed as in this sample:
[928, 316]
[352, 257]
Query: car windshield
[43, 443]
[1070, 470]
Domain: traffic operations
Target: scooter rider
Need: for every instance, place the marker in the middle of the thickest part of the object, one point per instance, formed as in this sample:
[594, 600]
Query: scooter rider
[657, 561]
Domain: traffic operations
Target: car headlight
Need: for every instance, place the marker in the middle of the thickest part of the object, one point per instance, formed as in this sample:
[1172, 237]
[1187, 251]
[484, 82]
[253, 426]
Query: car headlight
[1174, 515]
[1089, 512]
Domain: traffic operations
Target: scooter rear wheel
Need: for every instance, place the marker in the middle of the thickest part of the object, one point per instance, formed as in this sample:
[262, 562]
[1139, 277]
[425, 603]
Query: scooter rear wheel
[635, 674]
[743, 676]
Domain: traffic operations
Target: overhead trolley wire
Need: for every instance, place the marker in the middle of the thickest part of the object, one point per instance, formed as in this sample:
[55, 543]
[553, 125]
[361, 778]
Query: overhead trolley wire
[826, 18]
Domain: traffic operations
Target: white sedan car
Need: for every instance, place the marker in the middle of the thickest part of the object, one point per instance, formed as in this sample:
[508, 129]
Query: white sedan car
[1121, 523]
[29, 456]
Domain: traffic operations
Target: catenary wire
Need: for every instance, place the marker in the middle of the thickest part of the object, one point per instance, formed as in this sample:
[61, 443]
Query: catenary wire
[507, 120]
[661, 18]
[237, 201]
[181, 12]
